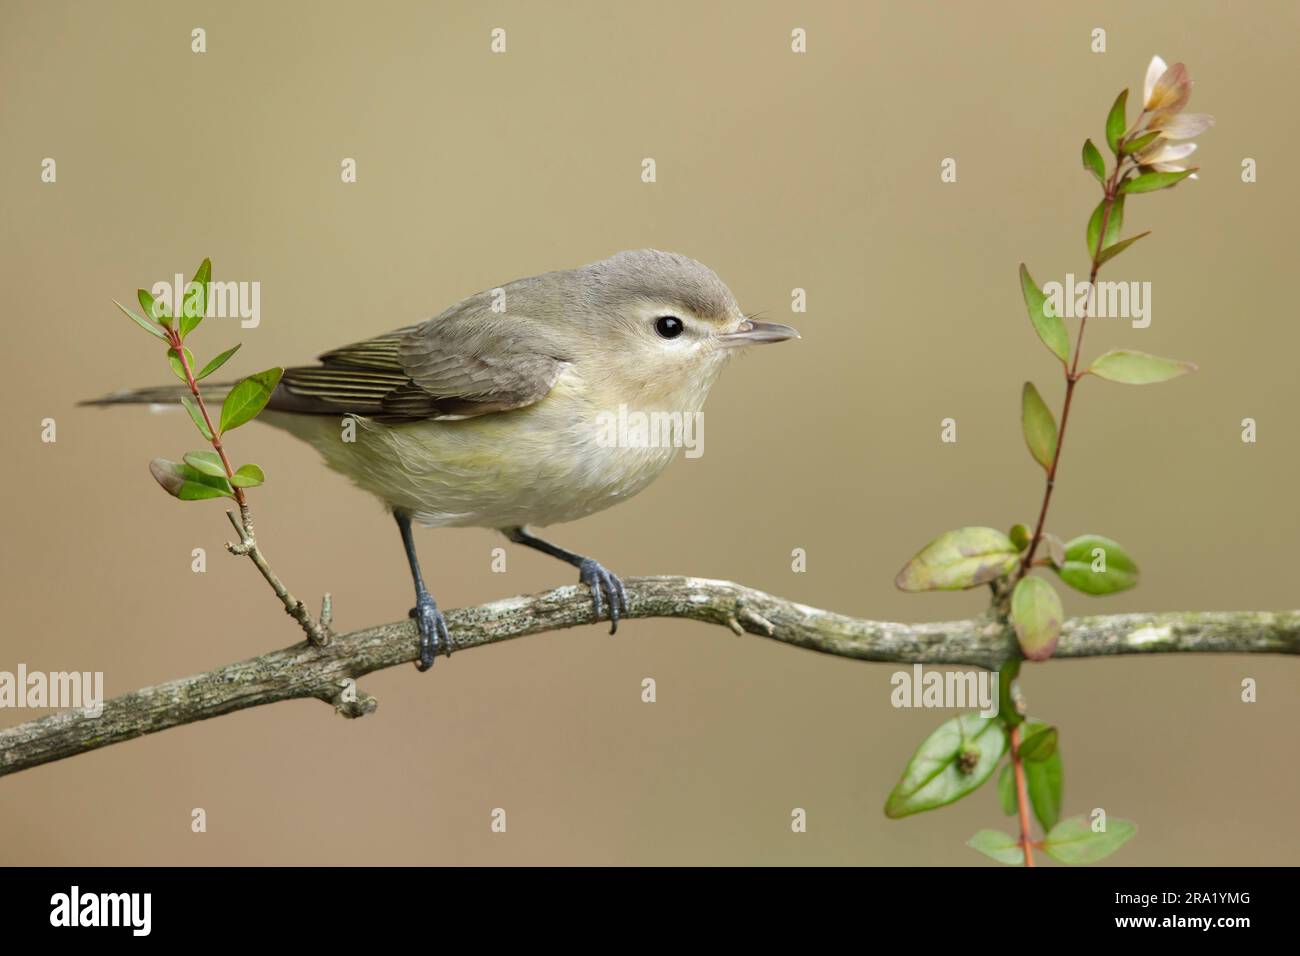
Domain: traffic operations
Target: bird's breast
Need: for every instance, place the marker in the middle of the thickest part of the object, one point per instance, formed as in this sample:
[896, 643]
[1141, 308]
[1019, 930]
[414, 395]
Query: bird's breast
[555, 461]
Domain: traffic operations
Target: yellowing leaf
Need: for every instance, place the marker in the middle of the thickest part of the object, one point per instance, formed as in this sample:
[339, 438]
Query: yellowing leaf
[998, 846]
[1129, 367]
[1074, 841]
[959, 559]
[1037, 615]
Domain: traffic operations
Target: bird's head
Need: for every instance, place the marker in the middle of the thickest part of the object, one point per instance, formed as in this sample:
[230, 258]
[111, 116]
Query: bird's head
[660, 326]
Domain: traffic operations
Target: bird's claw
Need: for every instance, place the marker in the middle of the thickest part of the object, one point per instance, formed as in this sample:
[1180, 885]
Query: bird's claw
[433, 631]
[605, 587]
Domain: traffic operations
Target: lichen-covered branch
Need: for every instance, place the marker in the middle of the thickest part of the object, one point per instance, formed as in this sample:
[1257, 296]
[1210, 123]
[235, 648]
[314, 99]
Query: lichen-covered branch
[329, 673]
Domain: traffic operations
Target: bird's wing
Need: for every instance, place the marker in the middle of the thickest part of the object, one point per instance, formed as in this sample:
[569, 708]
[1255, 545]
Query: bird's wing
[466, 362]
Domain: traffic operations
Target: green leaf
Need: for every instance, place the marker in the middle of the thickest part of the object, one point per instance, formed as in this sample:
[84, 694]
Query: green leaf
[1007, 789]
[195, 491]
[216, 363]
[150, 327]
[1073, 840]
[1010, 703]
[188, 483]
[208, 462]
[1039, 744]
[1050, 328]
[1093, 232]
[248, 397]
[998, 846]
[1044, 780]
[153, 308]
[1139, 143]
[1036, 614]
[1129, 367]
[1117, 571]
[1020, 536]
[1116, 122]
[212, 481]
[195, 303]
[959, 559]
[1039, 426]
[196, 416]
[933, 777]
[248, 476]
[1111, 251]
[1150, 182]
[1093, 162]
[1114, 223]
[174, 358]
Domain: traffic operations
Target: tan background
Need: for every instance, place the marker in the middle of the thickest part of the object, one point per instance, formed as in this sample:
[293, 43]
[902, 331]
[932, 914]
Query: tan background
[819, 171]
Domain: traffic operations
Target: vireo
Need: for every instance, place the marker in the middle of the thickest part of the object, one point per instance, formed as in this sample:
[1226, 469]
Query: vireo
[488, 415]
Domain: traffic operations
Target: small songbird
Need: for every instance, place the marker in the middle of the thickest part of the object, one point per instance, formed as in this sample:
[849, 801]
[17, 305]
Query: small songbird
[488, 415]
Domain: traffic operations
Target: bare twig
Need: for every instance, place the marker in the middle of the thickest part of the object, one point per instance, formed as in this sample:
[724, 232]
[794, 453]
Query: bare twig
[329, 673]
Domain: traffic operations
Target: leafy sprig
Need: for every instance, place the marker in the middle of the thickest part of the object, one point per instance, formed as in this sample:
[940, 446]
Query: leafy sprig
[943, 769]
[208, 473]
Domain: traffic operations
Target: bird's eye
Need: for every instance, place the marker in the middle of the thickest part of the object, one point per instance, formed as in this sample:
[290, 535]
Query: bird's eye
[669, 326]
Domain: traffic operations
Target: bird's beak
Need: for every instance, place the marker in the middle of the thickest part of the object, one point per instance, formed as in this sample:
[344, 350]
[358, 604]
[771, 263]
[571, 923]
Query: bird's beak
[753, 332]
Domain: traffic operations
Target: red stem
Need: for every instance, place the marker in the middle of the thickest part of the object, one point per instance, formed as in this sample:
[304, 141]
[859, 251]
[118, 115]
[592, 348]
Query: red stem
[1072, 377]
[1022, 796]
[1072, 374]
[174, 339]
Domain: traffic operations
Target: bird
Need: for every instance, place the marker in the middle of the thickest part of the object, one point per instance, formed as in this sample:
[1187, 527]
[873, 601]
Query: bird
[486, 415]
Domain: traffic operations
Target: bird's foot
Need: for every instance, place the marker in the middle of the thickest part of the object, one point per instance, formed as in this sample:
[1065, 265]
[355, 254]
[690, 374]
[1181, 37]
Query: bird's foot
[606, 588]
[433, 631]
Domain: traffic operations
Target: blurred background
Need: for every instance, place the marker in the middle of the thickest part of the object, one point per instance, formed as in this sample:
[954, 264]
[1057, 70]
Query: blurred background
[818, 171]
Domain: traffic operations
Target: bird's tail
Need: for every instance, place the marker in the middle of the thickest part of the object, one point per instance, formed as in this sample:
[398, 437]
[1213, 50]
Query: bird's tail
[160, 395]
